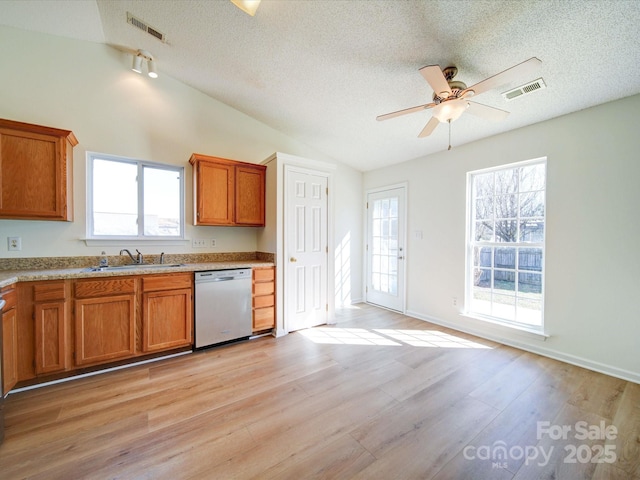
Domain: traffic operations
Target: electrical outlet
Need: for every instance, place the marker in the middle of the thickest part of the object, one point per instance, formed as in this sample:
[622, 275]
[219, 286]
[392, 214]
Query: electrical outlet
[213, 242]
[14, 244]
[455, 301]
[197, 243]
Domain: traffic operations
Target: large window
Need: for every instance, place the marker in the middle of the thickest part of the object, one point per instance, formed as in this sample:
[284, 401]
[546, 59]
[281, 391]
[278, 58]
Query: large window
[505, 248]
[132, 199]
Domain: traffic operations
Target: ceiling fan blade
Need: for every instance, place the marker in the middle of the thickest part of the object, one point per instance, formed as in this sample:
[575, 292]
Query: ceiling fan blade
[429, 127]
[487, 112]
[387, 116]
[436, 79]
[520, 71]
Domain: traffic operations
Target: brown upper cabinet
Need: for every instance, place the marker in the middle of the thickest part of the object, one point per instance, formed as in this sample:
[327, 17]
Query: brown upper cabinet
[36, 167]
[227, 192]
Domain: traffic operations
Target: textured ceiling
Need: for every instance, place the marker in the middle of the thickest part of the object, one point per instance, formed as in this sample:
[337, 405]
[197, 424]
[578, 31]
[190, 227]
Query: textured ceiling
[321, 71]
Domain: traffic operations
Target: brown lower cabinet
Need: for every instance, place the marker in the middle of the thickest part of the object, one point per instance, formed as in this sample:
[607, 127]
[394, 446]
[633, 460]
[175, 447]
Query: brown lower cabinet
[105, 320]
[9, 340]
[167, 312]
[66, 325]
[264, 298]
[51, 327]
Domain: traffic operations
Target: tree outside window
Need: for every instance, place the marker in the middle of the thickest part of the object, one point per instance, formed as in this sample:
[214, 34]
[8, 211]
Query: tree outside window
[505, 274]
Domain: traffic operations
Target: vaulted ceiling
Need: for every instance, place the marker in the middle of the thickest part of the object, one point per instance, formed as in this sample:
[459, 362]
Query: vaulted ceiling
[322, 70]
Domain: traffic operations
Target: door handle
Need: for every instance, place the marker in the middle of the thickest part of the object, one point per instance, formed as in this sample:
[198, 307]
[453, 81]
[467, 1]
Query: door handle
[293, 259]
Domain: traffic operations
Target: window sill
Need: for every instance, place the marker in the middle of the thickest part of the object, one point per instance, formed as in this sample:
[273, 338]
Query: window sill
[532, 332]
[117, 241]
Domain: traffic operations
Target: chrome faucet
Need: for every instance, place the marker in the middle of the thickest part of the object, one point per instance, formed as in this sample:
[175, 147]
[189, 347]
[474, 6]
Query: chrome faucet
[162, 258]
[133, 260]
[138, 261]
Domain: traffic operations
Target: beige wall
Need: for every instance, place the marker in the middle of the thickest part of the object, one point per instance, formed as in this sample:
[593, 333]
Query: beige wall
[593, 225]
[89, 88]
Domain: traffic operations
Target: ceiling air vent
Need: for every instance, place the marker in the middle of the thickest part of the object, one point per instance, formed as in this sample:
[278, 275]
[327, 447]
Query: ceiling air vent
[136, 22]
[524, 89]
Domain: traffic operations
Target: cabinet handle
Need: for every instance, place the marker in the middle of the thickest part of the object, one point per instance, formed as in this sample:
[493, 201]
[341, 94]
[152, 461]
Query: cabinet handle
[293, 259]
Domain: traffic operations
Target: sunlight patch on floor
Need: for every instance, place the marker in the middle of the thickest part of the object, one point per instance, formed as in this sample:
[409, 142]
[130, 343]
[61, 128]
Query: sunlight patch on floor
[387, 337]
[429, 338]
[346, 336]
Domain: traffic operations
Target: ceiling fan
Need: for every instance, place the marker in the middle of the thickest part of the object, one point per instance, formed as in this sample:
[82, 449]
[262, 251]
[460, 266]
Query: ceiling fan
[450, 97]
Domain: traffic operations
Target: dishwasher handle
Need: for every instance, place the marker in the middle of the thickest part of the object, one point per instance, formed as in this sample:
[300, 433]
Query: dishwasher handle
[222, 275]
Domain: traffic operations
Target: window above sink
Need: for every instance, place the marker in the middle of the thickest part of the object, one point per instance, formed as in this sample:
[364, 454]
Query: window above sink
[130, 199]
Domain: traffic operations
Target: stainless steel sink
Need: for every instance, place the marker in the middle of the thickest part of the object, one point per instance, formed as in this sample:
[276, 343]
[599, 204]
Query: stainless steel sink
[135, 266]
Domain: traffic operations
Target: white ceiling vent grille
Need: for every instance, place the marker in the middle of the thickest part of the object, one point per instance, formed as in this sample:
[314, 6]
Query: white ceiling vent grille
[524, 89]
[136, 22]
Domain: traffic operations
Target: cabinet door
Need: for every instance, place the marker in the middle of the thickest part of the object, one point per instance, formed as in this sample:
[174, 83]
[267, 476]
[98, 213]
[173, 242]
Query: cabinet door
[9, 350]
[214, 193]
[104, 329]
[167, 319]
[35, 172]
[50, 333]
[249, 198]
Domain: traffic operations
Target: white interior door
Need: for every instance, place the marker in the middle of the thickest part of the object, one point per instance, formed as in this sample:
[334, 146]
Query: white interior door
[386, 248]
[306, 248]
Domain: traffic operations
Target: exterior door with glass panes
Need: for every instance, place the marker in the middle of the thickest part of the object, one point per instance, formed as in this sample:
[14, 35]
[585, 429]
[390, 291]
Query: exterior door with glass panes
[385, 248]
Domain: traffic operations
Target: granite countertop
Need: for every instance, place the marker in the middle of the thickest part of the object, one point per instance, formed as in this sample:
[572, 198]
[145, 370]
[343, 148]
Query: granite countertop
[9, 277]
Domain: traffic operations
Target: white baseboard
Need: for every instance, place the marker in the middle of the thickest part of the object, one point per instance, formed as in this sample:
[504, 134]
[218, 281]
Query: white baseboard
[98, 372]
[546, 352]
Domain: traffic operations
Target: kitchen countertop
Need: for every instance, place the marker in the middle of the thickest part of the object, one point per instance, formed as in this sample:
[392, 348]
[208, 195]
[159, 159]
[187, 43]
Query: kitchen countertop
[9, 277]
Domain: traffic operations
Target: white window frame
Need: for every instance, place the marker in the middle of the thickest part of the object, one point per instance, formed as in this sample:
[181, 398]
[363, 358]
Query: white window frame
[470, 243]
[141, 237]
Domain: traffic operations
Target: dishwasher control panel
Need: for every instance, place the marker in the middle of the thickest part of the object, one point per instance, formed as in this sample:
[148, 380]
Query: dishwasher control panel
[213, 275]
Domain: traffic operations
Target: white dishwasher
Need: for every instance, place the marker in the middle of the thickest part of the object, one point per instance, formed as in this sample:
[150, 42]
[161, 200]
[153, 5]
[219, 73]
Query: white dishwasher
[222, 306]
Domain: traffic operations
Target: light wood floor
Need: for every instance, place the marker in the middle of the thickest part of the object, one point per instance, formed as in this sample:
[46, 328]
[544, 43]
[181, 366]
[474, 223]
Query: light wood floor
[378, 396]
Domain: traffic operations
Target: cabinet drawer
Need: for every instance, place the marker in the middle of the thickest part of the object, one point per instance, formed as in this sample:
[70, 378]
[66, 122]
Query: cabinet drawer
[167, 282]
[263, 318]
[45, 292]
[264, 301]
[99, 288]
[263, 274]
[263, 288]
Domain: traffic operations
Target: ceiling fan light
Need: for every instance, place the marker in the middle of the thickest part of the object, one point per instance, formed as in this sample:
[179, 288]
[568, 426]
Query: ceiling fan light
[450, 110]
[247, 6]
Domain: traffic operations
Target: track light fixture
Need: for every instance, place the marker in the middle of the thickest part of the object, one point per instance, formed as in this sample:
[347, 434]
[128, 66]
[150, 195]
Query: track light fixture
[137, 63]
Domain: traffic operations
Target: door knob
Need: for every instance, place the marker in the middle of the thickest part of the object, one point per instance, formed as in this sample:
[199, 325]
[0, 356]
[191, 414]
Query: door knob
[293, 259]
